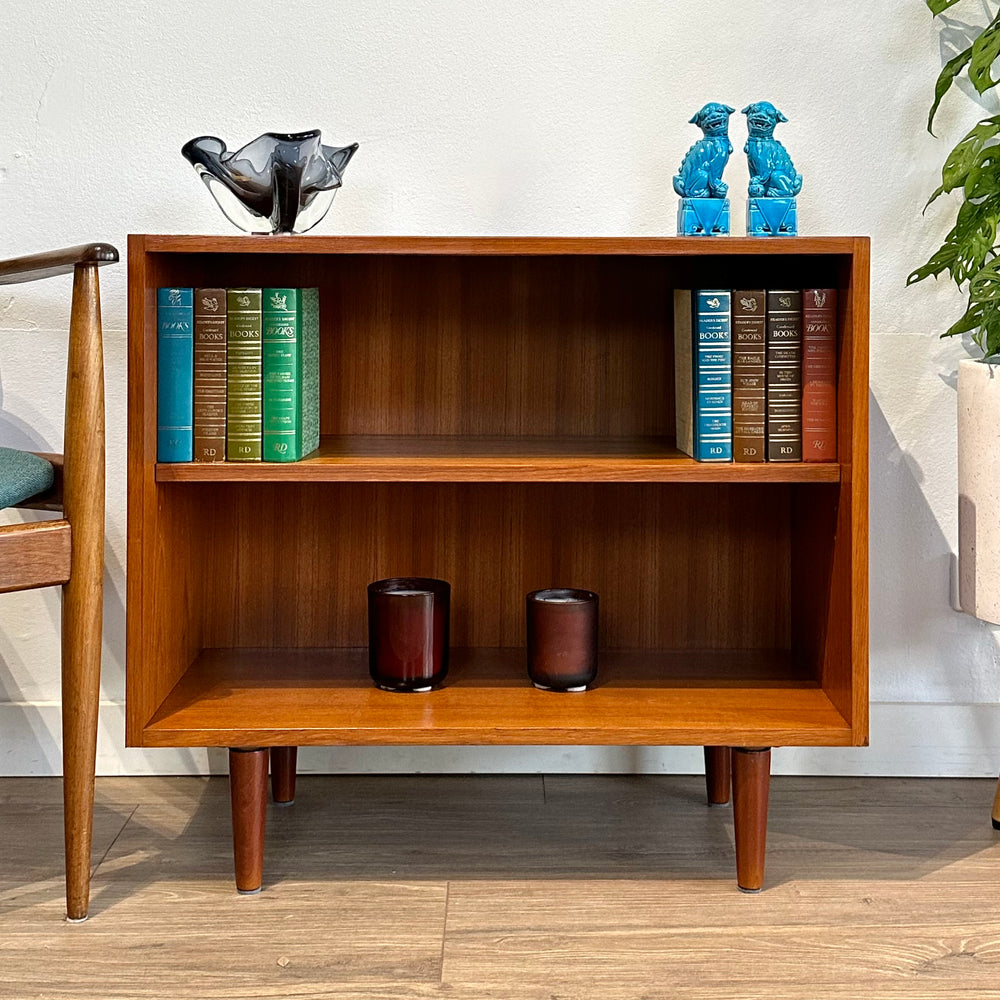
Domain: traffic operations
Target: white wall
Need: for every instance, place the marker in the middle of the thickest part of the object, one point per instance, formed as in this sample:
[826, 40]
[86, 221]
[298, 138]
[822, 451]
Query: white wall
[511, 117]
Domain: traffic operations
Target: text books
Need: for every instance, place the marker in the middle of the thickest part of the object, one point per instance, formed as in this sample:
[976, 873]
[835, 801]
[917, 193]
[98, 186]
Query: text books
[217, 383]
[755, 374]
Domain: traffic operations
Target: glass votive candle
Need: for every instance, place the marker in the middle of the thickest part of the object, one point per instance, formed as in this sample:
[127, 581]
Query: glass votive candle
[562, 639]
[408, 632]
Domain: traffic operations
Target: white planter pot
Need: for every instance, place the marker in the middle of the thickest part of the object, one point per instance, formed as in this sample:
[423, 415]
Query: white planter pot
[979, 489]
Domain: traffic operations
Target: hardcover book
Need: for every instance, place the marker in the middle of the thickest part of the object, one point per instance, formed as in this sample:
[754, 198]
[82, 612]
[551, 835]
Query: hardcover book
[703, 374]
[290, 340]
[749, 399]
[209, 374]
[243, 375]
[819, 375]
[784, 376]
[174, 374]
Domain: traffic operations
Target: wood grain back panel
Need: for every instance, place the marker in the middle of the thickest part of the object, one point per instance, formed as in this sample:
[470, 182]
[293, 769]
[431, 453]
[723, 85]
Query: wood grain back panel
[693, 567]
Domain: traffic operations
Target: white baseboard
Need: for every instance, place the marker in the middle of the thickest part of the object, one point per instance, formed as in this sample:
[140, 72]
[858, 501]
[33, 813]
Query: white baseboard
[921, 739]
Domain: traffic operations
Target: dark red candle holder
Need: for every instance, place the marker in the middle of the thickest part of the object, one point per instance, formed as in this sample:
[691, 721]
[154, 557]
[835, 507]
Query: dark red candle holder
[408, 632]
[562, 638]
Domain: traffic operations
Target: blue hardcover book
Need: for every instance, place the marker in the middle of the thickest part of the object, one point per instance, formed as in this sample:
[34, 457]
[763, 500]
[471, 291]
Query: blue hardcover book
[703, 373]
[174, 375]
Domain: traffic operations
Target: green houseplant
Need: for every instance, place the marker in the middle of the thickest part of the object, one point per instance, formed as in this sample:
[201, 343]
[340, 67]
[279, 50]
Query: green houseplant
[971, 250]
[971, 256]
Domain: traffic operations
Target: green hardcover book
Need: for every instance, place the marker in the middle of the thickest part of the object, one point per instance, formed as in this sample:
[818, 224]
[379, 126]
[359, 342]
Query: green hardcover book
[310, 370]
[243, 375]
[290, 373]
[209, 374]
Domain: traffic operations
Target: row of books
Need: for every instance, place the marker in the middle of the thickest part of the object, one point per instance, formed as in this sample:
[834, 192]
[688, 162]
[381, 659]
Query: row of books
[237, 374]
[755, 374]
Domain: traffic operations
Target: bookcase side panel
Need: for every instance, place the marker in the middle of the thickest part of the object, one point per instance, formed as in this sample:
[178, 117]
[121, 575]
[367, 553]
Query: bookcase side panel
[139, 700]
[857, 481]
[844, 674]
[162, 621]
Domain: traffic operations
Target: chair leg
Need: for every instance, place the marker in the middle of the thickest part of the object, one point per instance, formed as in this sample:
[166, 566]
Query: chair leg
[81, 691]
[996, 808]
[283, 760]
[83, 504]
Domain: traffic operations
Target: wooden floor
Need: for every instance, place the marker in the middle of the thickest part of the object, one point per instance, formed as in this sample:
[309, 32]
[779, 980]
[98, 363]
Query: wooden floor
[479, 888]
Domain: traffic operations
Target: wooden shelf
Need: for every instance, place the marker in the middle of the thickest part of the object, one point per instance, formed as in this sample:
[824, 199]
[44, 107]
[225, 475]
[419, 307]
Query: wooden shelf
[295, 697]
[453, 459]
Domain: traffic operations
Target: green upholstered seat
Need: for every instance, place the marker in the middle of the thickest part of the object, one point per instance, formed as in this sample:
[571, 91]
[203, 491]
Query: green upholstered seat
[22, 475]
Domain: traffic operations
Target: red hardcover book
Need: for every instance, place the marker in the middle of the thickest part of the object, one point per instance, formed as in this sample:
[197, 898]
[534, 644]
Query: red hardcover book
[819, 375]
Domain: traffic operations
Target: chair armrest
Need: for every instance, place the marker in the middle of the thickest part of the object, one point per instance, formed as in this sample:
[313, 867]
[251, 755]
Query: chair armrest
[53, 262]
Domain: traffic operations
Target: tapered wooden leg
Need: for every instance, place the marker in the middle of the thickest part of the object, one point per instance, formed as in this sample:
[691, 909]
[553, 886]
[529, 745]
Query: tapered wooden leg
[996, 808]
[283, 774]
[248, 788]
[751, 781]
[718, 775]
[83, 505]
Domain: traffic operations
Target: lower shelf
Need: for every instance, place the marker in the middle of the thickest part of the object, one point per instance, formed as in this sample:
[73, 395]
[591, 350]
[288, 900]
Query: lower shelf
[320, 697]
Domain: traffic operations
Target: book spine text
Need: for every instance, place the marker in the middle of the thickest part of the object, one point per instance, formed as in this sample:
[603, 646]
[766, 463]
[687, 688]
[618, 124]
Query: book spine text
[784, 376]
[282, 375]
[243, 375]
[749, 399]
[713, 424]
[819, 375]
[209, 374]
[174, 374]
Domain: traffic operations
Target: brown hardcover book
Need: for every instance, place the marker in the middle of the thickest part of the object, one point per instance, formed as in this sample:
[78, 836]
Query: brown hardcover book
[784, 376]
[819, 375]
[209, 374]
[749, 400]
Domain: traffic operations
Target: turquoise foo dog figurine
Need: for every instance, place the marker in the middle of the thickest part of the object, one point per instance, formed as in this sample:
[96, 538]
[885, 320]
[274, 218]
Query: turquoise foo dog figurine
[774, 182]
[704, 209]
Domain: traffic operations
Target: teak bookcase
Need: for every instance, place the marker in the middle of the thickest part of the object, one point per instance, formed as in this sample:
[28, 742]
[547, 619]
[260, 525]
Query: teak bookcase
[499, 413]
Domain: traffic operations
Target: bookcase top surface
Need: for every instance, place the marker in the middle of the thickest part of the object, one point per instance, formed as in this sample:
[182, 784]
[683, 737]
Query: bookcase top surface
[499, 245]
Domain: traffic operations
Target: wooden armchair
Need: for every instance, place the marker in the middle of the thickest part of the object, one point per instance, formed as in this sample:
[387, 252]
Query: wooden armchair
[68, 551]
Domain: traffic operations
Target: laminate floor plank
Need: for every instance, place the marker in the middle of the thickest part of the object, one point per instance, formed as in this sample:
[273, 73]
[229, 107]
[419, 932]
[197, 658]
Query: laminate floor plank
[350, 827]
[647, 940]
[508, 888]
[817, 828]
[183, 938]
[110, 790]
[31, 839]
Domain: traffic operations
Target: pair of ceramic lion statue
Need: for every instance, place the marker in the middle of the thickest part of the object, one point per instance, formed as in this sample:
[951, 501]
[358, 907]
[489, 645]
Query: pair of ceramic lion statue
[772, 173]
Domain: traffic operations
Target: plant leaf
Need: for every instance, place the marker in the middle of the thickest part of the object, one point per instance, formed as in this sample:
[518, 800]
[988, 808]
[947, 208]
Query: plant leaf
[984, 178]
[940, 6]
[964, 156]
[947, 77]
[984, 287]
[990, 340]
[934, 197]
[985, 50]
[971, 320]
